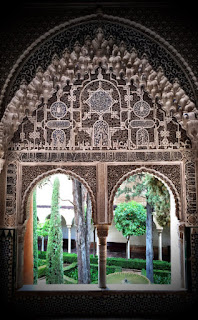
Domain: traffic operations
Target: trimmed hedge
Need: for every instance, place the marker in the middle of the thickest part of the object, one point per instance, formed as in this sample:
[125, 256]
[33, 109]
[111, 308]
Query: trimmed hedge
[138, 263]
[119, 262]
[72, 271]
[69, 268]
[42, 271]
[162, 274]
[68, 280]
[159, 276]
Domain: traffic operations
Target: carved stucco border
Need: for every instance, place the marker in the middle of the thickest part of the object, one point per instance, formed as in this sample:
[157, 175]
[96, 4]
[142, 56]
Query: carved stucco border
[153, 35]
[153, 172]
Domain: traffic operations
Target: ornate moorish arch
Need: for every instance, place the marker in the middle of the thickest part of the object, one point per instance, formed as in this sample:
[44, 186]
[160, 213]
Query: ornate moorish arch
[100, 104]
[32, 183]
[177, 263]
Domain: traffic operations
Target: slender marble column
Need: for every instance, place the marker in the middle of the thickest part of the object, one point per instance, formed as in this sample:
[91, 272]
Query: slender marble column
[159, 231]
[102, 231]
[69, 239]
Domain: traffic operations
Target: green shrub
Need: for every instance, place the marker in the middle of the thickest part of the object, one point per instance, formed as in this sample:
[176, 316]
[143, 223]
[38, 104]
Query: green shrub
[159, 276]
[161, 265]
[42, 254]
[69, 257]
[138, 263]
[70, 267]
[41, 262]
[68, 280]
[72, 271]
[162, 279]
[120, 262]
[42, 271]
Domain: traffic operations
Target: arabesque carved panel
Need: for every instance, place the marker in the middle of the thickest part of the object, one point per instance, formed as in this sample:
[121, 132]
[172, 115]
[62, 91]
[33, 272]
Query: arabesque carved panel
[99, 113]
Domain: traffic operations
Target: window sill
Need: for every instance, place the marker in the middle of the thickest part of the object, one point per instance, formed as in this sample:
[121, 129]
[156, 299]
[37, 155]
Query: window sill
[95, 288]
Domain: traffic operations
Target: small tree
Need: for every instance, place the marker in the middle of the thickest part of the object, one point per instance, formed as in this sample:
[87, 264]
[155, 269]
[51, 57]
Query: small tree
[54, 272]
[35, 240]
[130, 219]
[43, 231]
[158, 200]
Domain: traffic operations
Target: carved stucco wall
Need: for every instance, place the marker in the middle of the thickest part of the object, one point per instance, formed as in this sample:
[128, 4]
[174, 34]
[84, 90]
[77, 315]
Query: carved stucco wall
[151, 66]
[170, 23]
[175, 165]
[101, 99]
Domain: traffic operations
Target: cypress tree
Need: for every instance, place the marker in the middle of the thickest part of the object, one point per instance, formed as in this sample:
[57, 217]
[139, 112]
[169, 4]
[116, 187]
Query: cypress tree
[35, 240]
[54, 272]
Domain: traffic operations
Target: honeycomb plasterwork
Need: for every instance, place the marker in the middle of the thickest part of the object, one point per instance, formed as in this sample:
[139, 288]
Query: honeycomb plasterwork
[173, 146]
[99, 113]
[73, 67]
[101, 102]
[131, 28]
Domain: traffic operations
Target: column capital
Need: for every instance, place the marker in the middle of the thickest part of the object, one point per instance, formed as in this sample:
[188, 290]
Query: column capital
[102, 231]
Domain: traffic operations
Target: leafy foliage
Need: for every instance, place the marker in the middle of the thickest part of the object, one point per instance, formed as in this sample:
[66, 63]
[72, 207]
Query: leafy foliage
[153, 190]
[160, 276]
[160, 199]
[54, 272]
[43, 228]
[130, 219]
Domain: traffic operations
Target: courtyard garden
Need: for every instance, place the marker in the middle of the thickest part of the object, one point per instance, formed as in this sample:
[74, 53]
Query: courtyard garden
[54, 266]
[118, 270]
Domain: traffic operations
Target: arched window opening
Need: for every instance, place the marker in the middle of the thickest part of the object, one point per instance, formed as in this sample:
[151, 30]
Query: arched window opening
[63, 234]
[144, 230]
[136, 255]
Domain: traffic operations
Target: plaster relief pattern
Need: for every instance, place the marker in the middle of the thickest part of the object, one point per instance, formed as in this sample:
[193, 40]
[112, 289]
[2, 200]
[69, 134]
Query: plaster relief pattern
[134, 78]
[101, 102]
